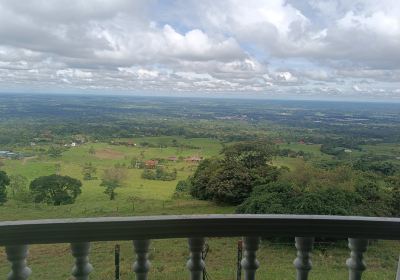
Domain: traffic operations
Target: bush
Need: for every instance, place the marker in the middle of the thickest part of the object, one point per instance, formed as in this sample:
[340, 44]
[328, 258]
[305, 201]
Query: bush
[284, 198]
[183, 186]
[272, 198]
[159, 174]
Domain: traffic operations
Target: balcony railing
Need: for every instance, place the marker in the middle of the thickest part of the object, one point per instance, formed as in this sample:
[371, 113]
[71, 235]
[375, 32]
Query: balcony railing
[17, 235]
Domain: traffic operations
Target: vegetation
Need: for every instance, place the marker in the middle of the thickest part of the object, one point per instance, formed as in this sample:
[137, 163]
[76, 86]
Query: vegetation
[4, 182]
[231, 179]
[55, 189]
[112, 179]
[259, 157]
[19, 188]
[88, 171]
[159, 173]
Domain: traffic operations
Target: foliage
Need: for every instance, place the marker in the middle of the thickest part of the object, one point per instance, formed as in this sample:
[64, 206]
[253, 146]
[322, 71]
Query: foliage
[91, 151]
[19, 188]
[54, 151]
[250, 154]
[112, 179]
[55, 189]
[385, 168]
[282, 197]
[183, 186]
[231, 179]
[88, 171]
[159, 173]
[4, 182]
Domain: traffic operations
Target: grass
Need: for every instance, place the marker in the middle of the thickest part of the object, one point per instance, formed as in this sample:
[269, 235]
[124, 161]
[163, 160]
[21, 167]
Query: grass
[146, 197]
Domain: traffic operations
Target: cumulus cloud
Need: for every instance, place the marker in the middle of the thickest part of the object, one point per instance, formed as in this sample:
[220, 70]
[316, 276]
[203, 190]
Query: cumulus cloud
[325, 48]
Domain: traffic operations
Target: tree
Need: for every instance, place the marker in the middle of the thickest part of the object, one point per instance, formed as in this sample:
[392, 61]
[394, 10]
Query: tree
[4, 182]
[57, 168]
[55, 189]
[54, 151]
[231, 180]
[251, 154]
[88, 170]
[92, 151]
[19, 188]
[112, 179]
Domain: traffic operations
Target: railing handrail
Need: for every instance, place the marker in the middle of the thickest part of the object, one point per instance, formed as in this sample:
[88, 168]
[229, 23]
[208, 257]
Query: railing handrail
[177, 226]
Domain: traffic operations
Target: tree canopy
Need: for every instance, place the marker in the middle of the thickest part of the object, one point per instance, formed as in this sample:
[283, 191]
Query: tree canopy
[55, 189]
[232, 178]
[4, 182]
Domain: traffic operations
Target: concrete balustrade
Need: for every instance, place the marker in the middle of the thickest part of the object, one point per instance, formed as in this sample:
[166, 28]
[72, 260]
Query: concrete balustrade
[79, 233]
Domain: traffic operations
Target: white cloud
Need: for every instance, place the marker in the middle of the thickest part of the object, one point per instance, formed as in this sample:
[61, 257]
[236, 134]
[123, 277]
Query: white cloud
[276, 46]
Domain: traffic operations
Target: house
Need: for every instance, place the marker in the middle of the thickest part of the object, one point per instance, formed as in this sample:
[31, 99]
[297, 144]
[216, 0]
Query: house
[173, 158]
[151, 164]
[193, 159]
[10, 155]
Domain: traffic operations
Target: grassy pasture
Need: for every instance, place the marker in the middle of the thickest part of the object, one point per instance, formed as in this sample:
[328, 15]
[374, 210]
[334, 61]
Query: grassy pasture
[147, 197]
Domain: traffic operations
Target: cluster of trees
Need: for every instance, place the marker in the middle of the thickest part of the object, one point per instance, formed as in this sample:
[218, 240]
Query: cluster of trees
[231, 177]
[285, 196]
[53, 189]
[159, 173]
[337, 146]
[244, 177]
[294, 154]
[55, 151]
[370, 163]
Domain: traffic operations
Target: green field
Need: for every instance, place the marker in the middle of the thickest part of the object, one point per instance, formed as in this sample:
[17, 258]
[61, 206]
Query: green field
[148, 197]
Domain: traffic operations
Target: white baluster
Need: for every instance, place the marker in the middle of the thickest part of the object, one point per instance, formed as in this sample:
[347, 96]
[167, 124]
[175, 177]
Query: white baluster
[303, 264]
[195, 263]
[250, 263]
[142, 264]
[17, 256]
[356, 263]
[82, 267]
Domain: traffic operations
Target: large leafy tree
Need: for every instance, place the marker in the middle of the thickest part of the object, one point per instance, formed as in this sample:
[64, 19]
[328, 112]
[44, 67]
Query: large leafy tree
[232, 178]
[4, 182]
[55, 189]
[250, 154]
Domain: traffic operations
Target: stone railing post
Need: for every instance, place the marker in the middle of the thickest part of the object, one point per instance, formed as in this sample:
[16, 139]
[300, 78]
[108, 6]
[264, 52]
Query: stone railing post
[17, 255]
[142, 264]
[195, 263]
[398, 271]
[303, 264]
[249, 262]
[356, 263]
[82, 267]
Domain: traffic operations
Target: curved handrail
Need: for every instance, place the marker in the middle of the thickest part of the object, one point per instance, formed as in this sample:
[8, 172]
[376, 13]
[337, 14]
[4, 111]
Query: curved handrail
[159, 227]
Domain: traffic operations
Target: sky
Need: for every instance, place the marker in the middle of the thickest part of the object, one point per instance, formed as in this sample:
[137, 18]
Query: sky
[329, 49]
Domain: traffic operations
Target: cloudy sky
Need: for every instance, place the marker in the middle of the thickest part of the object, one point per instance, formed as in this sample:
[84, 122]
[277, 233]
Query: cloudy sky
[340, 49]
